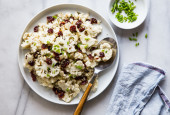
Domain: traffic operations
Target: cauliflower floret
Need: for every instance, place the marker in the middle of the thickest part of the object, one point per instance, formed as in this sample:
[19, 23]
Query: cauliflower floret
[62, 73]
[87, 40]
[67, 33]
[67, 26]
[70, 48]
[78, 55]
[108, 54]
[45, 52]
[59, 41]
[61, 15]
[75, 68]
[76, 15]
[28, 58]
[45, 70]
[28, 39]
[56, 29]
[105, 46]
[96, 54]
[106, 49]
[92, 30]
[54, 71]
[70, 89]
[67, 98]
[27, 35]
[91, 64]
[83, 16]
[79, 65]
[64, 55]
[67, 15]
[83, 48]
[25, 44]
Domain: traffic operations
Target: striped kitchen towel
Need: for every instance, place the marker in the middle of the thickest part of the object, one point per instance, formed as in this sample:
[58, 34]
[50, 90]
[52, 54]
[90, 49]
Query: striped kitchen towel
[137, 92]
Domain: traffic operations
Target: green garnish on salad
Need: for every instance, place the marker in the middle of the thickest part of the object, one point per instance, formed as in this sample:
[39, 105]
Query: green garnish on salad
[86, 46]
[79, 67]
[48, 42]
[58, 51]
[86, 38]
[67, 89]
[48, 75]
[55, 17]
[79, 44]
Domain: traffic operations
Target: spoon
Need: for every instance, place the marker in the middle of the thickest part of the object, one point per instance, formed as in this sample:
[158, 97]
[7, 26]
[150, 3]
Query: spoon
[99, 68]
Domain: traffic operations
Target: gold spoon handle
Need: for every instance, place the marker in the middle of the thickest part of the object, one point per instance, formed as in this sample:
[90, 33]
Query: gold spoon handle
[83, 100]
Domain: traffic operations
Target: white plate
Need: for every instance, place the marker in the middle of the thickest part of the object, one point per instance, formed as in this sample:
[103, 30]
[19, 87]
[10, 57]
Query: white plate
[104, 79]
[141, 9]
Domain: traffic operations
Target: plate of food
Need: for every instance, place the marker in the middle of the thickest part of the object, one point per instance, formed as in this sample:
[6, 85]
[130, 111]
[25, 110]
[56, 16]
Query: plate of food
[59, 50]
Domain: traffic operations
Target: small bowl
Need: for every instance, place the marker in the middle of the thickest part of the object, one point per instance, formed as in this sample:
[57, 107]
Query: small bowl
[141, 9]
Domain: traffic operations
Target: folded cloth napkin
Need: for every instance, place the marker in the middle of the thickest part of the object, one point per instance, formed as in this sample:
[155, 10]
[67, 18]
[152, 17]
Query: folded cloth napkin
[137, 92]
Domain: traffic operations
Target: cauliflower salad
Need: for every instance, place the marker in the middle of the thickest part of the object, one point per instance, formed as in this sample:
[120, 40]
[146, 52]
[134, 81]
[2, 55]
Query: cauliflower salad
[63, 53]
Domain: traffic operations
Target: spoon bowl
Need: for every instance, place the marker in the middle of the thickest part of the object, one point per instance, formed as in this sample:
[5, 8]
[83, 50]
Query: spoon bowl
[101, 67]
[104, 65]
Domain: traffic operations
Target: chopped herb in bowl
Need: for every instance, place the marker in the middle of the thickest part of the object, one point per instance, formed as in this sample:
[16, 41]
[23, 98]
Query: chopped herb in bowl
[127, 8]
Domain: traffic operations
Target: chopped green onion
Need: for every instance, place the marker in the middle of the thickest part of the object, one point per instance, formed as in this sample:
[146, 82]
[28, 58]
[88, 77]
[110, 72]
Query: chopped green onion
[115, 6]
[86, 46]
[65, 48]
[53, 65]
[68, 55]
[47, 54]
[62, 52]
[48, 69]
[67, 89]
[79, 67]
[127, 8]
[34, 44]
[58, 51]
[53, 72]
[56, 46]
[48, 42]
[146, 36]
[102, 50]
[55, 17]
[105, 51]
[137, 44]
[133, 39]
[70, 75]
[68, 43]
[130, 38]
[136, 34]
[79, 45]
[87, 38]
[119, 17]
[48, 75]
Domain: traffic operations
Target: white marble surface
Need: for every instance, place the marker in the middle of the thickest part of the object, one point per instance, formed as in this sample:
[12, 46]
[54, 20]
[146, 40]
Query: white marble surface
[15, 95]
